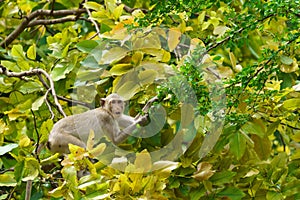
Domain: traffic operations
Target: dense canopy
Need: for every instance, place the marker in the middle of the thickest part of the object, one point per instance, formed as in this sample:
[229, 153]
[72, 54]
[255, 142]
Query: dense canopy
[225, 73]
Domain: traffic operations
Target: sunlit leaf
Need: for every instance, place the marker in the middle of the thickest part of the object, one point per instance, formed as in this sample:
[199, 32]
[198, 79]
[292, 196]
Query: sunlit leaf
[93, 5]
[18, 52]
[98, 150]
[204, 171]
[112, 55]
[120, 69]
[31, 52]
[7, 180]
[31, 169]
[118, 11]
[173, 38]
[60, 71]
[143, 161]
[291, 104]
[253, 128]
[38, 103]
[7, 148]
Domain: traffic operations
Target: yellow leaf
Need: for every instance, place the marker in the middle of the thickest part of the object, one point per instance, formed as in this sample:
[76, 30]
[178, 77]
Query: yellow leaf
[93, 5]
[24, 141]
[291, 104]
[174, 38]
[118, 11]
[137, 57]
[143, 161]
[112, 55]
[147, 76]
[31, 52]
[128, 89]
[220, 30]
[91, 140]
[98, 150]
[120, 69]
[232, 59]
[201, 17]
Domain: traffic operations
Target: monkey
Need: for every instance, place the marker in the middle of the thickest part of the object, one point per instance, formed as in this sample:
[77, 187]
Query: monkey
[108, 120]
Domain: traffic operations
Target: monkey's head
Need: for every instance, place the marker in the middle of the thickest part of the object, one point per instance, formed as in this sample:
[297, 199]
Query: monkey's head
[113, 103]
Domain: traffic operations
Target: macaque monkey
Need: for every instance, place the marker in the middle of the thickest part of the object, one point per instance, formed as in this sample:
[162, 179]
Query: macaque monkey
[108, 120]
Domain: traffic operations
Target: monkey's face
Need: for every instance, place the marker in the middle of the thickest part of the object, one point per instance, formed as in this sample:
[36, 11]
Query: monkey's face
[116, 107]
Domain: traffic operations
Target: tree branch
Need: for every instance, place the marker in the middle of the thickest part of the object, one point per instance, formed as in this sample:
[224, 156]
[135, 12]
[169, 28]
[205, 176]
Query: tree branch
[34, 72]
[30, 20]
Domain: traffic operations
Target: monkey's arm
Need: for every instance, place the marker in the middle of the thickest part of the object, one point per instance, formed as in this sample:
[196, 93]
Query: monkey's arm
[121, 135]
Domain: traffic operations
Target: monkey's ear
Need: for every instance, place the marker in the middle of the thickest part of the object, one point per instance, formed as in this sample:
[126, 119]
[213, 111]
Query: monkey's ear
[102, 101]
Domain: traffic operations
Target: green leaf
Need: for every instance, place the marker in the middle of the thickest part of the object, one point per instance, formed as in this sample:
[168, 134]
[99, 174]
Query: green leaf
[232, 193]
[31, 169]
[223, 177]
[38, 103]
[30, 87]
[17, 52]
[60, 71]
[120, 69]
[87, 46]
[291, 104]
[253, 128]
[7, 148]
[272, 195]
[291, 188]
[128, 89]
[93, 6]
[238, 145]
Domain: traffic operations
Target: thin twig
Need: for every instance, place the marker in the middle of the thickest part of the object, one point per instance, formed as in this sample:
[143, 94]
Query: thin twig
[37, 136]
[34, 72]
[93, 21]
[29, 19]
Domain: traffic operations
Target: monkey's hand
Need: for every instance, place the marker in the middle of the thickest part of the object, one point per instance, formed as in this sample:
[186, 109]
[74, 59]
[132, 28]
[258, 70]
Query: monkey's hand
[143, 120]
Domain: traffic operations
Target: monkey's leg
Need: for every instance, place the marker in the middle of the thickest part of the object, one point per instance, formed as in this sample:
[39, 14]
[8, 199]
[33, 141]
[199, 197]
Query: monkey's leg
[62, 141]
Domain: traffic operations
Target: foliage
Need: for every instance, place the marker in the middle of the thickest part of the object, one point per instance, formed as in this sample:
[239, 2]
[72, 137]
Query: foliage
[225, 72]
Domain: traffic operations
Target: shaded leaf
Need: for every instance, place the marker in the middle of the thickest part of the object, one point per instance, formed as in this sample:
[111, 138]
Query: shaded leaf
[262, 146]
[232, 192]
[286, 60]
[238, 145]
[220, 178]
[87, 45]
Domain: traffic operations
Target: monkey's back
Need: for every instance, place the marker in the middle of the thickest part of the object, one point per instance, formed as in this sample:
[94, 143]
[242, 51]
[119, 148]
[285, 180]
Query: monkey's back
[80, 125]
